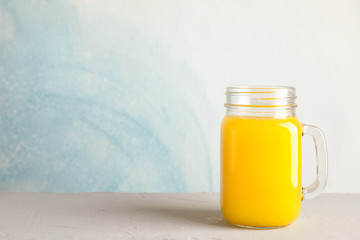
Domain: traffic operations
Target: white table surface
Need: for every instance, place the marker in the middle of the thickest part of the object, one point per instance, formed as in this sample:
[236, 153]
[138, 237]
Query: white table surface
[162, 216]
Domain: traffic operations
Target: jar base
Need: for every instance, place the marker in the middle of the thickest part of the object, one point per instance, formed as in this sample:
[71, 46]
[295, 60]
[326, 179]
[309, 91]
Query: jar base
[258, 228]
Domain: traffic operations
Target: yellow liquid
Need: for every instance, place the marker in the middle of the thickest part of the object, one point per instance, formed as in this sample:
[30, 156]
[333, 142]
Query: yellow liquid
[260, 170]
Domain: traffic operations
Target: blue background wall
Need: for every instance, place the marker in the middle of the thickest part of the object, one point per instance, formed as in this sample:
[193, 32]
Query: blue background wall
[128, 95]
[93, 105]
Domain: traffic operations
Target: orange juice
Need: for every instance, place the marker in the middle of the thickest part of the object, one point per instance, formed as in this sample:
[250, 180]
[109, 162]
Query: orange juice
[260, 170]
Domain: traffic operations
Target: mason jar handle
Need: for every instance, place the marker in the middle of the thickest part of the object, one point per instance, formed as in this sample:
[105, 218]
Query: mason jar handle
[318, 186]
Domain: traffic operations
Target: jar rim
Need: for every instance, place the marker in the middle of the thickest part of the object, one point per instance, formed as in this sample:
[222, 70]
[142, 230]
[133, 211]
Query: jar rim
[261, 96]
[247, 89]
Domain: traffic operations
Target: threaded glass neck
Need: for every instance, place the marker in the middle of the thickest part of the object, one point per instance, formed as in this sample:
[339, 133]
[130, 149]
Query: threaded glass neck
[262, 101]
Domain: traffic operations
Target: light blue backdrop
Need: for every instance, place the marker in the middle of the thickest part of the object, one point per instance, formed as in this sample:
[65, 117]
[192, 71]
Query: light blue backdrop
[91, 102]
[127, 95]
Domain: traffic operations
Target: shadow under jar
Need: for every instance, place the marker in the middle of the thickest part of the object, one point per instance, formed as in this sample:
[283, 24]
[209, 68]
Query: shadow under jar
[261, 157]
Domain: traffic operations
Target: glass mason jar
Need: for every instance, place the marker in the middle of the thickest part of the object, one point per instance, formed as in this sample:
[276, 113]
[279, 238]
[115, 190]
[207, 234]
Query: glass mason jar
[261, 157]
